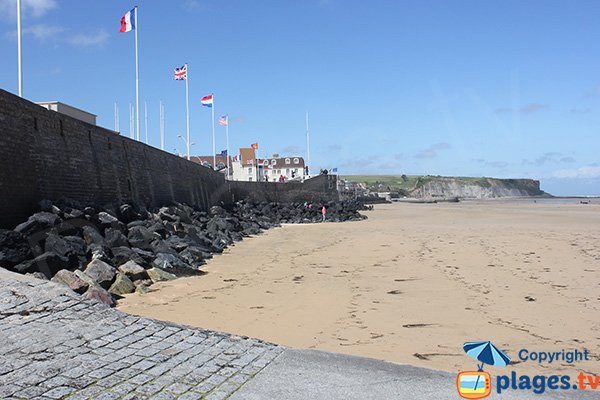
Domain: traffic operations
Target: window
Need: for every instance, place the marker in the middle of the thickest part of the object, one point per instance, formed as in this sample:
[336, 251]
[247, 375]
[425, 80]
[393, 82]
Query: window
[250, 179]
[296, 161]
[287, 171]
[287, 160]
[278, 172]
[273, 162]
[250, 170]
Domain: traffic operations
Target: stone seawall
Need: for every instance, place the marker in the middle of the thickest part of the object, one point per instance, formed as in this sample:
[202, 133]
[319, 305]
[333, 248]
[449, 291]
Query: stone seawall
[47, 155]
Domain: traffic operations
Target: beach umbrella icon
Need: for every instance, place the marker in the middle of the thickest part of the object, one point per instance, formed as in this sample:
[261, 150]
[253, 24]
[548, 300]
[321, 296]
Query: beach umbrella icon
[487, 353]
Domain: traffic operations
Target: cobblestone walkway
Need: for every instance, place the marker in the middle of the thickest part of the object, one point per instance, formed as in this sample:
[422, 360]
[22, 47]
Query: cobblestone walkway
[55, 345]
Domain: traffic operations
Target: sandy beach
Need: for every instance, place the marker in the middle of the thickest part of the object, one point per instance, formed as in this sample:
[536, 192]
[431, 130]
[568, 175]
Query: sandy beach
[408, 285]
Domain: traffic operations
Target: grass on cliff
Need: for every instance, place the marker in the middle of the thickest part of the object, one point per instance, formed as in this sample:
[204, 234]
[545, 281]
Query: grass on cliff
[406, 182]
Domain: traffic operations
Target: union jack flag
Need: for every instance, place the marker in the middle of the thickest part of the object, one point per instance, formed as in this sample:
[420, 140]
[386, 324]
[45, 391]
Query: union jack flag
[181, 73]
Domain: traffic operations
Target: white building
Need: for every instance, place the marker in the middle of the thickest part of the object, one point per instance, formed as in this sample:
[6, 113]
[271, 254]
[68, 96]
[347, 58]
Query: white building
[251, 169]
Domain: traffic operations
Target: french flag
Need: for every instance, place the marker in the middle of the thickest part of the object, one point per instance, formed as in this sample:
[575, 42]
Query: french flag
[207, 101]
[128, 21]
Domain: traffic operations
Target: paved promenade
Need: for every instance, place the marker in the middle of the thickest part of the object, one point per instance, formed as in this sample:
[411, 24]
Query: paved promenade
[55, 345]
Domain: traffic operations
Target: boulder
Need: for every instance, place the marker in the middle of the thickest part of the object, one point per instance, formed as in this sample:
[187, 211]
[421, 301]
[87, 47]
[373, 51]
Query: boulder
[49, 264]
[140, 237]
[193, 255]
[133, 270]
[128, 213]
[102, 273]
[27, 267]
[114, 238]
[157, 275]
[14, 248]
[37, 222]
[92, 236]
[100, 295]
[122, 285]
[106, 220]
[70, 279]
[121, 255]
[81, 275]
[173, 264]
[217, 210]
[71, 248]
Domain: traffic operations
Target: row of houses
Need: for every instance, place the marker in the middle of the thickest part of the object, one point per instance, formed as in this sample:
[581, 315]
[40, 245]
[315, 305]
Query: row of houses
[247, 166]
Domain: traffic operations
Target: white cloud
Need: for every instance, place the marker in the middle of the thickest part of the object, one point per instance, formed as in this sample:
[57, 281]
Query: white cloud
[432, 151]
[590, 171]
[93, 39]
[34, 8]
[43, 32]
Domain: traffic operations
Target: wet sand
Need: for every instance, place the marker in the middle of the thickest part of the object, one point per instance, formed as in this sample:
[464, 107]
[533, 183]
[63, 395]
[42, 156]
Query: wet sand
[408, 285]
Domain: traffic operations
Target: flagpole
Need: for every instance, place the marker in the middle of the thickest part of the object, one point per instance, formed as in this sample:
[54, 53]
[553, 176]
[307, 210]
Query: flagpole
[162, 126]
[19, 48]
[146, 119]
[137, 78]
[187, 113]
[227, 137]
[131, 123]
[307, 146]
[213, 133]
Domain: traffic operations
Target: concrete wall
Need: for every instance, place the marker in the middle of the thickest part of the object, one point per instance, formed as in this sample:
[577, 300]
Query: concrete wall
[322, 188]
[47, 155]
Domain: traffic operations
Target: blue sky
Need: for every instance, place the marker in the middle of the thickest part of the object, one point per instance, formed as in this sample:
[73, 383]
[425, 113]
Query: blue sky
[507, 89]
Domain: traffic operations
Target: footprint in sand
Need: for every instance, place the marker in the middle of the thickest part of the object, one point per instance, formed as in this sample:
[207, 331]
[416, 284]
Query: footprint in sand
[298, 279]
[394, 292]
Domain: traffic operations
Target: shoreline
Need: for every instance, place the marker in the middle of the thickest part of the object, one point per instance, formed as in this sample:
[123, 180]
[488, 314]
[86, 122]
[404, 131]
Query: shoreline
[428, 278]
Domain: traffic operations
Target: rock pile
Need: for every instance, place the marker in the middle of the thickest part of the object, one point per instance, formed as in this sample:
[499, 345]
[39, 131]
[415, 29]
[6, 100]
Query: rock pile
[106, 253]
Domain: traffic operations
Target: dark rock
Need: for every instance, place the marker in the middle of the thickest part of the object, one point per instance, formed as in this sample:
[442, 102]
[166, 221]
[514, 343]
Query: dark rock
[161, 246]
[92, 236]
[102, 273]
[121, 255]
[74, 214]
[14, 248]
[217, 210]
[105, 219]
[140, 237]
[70, 279]
[122, 285]
[37, 222]
[128, 213]
[99, 294]
[27, 267]
[133, 271]
[173, 264]
[49, 264]
[100, 252]
[193, 255]
[70, 249]
[114, 238]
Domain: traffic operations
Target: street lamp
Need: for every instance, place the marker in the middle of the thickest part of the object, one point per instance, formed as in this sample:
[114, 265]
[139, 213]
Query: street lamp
[187, 145]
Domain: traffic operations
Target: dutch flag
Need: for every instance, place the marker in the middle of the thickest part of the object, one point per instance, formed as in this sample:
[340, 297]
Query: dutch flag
[128, 21]
[207, 101]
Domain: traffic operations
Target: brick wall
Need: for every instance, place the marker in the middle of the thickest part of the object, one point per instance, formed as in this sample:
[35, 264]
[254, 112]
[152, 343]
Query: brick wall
[46, 155]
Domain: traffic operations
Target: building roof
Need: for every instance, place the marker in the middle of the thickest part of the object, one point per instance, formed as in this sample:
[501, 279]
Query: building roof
[248, 156]
[283, 162]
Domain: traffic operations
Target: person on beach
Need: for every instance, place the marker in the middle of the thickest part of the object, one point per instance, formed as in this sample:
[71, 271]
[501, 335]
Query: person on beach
[324, 212]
